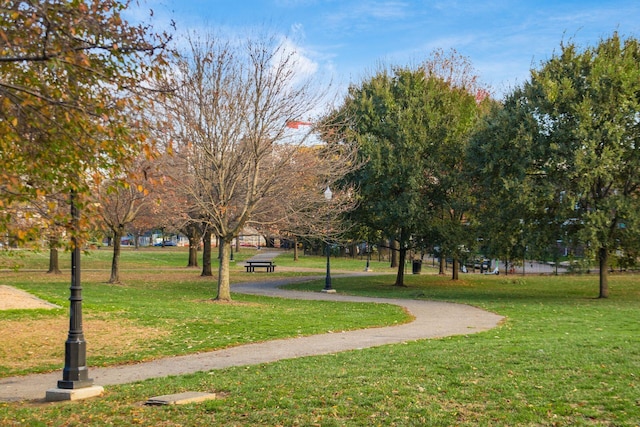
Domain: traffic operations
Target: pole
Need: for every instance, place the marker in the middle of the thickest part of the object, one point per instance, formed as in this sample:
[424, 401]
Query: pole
[75, 374]
[368, 265]
[327, 280]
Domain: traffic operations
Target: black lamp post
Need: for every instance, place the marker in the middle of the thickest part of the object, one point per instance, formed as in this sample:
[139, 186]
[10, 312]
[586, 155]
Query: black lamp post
[75, 374]
[327, 281]
[368, 266]
[75, 383]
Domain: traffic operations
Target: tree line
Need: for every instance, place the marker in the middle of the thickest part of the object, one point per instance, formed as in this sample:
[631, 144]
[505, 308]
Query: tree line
[222, 134]
[557, 160]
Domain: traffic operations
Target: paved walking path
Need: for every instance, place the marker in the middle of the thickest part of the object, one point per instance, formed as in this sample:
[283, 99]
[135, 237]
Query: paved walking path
[432, 320]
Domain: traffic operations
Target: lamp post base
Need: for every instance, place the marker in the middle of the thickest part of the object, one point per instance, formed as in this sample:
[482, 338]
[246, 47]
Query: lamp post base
[63, 394]
[75, 384]
[329, 291]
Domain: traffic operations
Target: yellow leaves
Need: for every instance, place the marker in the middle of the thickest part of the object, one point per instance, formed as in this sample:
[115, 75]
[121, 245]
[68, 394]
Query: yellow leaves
[20, 234]
[148, 151]
[97, 178]
[142, 189]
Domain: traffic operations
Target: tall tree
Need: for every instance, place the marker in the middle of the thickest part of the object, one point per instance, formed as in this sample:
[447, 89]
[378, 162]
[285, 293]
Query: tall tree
[231, 112]
[70, 74]
[411, 126]
[579, 135]
[386, 119]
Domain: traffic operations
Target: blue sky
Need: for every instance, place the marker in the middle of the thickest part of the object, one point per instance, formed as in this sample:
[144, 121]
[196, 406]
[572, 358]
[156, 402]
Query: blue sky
[347, 39]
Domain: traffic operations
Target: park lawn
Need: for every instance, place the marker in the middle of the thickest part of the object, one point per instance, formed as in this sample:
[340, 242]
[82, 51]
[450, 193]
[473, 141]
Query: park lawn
[99, 259]
[560, 358]
[161, 313]
[337, 264]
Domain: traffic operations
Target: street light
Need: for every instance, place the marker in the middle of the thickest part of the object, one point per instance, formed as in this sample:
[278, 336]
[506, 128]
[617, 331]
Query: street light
[368, 266]
[327, 281]
[75, 383]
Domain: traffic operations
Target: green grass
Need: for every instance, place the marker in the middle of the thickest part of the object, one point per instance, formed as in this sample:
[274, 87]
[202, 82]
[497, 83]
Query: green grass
[336, 263]
[177, 307]
[130, 258]
[561, 358]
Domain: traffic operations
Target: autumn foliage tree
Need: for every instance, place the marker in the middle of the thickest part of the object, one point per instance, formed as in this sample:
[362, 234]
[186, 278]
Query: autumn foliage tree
[123, 201]
[71, 84]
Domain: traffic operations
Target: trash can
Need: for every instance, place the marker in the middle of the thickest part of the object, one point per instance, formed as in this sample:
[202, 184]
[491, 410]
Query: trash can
[417, 266]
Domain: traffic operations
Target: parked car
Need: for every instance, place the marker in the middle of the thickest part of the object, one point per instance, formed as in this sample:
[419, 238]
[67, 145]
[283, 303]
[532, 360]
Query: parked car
[483, 264]
[166, 243]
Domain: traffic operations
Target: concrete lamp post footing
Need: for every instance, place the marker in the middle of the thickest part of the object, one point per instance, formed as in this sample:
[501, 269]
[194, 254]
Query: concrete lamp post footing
[62, 394]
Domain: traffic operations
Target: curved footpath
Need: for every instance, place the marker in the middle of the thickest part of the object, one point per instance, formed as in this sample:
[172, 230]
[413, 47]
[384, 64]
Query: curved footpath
[432, 320]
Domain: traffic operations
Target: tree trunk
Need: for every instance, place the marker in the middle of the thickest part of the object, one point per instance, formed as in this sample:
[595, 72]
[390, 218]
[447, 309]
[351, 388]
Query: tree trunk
[295, 249]
[54, 264]
[162, 235]
[395, 246]
[193, 254]
[206, 254]
[603, 255]
[224, 289]
[456, 266]
[442, 262]
[115, 262]
[402, 252]
[194, 241]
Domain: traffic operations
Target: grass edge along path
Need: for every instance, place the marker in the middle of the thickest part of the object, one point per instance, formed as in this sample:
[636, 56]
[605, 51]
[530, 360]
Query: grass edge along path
[431, 319]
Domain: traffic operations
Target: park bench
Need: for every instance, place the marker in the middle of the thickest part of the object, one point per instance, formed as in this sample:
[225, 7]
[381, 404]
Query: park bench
[252, 265]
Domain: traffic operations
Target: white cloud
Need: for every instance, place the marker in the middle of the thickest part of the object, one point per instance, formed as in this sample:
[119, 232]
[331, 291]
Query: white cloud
[305, 67]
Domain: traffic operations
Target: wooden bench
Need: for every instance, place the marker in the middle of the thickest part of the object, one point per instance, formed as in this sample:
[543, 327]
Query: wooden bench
[252, 265]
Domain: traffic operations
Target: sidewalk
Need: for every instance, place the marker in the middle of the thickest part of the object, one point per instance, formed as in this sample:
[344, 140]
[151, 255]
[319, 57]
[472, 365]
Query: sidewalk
[432, 320]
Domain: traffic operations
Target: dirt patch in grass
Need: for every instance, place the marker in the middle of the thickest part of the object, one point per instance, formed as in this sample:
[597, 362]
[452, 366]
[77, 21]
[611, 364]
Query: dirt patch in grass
[29, 343]
[13, 298]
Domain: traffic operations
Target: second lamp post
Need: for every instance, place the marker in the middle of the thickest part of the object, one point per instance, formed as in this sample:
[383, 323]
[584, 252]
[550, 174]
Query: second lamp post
[327, 281]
